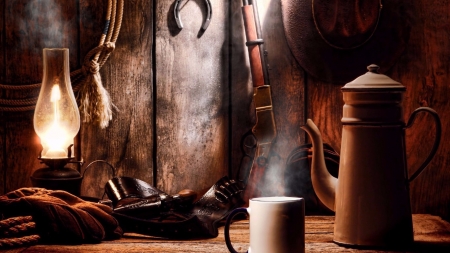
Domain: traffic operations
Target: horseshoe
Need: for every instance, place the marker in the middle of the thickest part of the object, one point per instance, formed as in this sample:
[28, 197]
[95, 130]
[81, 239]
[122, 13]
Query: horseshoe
[178, 19]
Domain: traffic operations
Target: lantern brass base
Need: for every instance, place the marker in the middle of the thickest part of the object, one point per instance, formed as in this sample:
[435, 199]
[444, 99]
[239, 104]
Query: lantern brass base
[57, 178]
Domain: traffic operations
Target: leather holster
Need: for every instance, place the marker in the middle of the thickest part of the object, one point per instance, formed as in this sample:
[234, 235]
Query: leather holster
[144, 214]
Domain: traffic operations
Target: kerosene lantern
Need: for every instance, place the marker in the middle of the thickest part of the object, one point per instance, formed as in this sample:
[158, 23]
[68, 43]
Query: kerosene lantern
[57, 122]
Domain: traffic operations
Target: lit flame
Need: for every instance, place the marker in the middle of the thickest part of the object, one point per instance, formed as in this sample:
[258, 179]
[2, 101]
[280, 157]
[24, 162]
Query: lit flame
[56, 94]
[56, 136]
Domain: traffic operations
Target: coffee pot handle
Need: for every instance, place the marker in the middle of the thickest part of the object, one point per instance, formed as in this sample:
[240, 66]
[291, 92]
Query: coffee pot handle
[437, 139]
[227, 227]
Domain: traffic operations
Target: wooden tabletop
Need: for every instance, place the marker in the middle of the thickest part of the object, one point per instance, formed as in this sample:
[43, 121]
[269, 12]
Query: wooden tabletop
[431, 234]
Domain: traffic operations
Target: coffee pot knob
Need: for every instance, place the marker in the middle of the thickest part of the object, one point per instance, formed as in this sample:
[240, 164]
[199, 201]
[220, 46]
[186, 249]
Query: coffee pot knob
[373, 68]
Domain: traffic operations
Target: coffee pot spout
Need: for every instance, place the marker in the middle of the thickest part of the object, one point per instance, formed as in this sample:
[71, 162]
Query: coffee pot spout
[323, 182]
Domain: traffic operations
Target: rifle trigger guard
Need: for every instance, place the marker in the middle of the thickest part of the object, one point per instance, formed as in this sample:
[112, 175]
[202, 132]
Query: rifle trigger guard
[176, 12]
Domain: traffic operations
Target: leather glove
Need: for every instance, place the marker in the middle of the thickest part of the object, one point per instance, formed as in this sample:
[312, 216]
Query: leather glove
[61, 217]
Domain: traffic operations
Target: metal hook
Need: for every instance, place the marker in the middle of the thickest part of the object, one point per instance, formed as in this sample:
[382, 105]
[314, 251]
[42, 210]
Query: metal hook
[176, 12]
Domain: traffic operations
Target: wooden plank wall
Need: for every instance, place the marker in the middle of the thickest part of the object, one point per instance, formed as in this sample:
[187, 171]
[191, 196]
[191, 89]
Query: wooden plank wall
[127, 143]
[185, 96]
[192, 88]
[424, 69]
[2, 115]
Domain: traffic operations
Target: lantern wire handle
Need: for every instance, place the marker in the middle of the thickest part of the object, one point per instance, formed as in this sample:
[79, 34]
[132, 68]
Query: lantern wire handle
[100, 161]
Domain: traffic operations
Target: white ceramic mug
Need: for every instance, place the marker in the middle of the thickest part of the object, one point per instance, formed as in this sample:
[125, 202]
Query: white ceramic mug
[277, 225]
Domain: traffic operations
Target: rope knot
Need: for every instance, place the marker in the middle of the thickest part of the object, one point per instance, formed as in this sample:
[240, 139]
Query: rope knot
[110, 46]
[91, 67]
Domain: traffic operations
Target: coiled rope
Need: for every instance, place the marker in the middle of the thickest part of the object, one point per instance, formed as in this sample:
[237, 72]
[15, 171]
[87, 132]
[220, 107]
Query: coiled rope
[93, 99]
[18, 231]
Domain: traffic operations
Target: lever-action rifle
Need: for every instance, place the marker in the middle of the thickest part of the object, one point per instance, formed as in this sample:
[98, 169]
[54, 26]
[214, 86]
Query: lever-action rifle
[264, 130]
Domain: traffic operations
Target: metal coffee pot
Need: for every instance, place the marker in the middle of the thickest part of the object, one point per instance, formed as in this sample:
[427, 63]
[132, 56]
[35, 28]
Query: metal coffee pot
[371, 197]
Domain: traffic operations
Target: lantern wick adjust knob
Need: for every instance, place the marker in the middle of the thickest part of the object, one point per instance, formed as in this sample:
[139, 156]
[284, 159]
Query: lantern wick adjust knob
[373, 68]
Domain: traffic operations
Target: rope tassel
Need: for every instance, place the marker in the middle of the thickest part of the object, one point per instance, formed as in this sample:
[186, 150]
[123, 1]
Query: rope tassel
[93, 99]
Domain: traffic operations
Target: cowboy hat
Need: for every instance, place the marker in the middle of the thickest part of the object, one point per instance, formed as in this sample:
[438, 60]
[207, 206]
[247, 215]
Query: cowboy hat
[334, 40]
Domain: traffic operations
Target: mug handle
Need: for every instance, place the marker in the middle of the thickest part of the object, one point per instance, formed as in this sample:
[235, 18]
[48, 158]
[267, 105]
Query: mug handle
[227, 227]
[437, 139]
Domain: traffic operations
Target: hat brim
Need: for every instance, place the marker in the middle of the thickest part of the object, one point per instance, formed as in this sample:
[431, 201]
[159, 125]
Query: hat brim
[339, 66]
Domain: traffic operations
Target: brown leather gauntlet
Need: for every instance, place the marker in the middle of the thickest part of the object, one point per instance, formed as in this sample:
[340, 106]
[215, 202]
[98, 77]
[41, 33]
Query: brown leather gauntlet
[61, 217]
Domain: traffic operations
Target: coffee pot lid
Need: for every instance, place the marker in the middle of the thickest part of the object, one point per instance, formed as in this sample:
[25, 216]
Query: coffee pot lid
[372, 80]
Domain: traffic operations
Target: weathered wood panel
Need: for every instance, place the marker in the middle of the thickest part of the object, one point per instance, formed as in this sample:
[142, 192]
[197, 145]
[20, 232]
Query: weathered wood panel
[31, 26]
[424, 69]
[324, 105]
[287, 85]
[91, 141]
[127, 143]
[2, 115]
[2, 43]
[192, 96]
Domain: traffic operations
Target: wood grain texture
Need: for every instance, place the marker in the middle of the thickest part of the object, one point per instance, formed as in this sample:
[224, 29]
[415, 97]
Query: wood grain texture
[31, 26]
[2, 47]
[127, 143]
[92, 143]
[2, 95]
[423, 69]
[431, 234]
[192, 96]
[2, 154]
[324, 106]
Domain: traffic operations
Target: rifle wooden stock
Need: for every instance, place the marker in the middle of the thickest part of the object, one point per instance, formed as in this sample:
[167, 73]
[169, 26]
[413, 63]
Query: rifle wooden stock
[253, 49]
